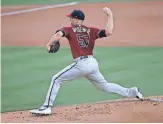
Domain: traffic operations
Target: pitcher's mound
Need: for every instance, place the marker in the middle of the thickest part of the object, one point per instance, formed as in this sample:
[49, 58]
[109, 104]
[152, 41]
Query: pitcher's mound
[118, 111]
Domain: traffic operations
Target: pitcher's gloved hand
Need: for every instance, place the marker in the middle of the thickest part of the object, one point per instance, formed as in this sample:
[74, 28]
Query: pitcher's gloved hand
[54, 47]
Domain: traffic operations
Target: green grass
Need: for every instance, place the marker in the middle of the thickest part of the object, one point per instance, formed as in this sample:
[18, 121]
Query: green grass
[28, 2]
[27, 72]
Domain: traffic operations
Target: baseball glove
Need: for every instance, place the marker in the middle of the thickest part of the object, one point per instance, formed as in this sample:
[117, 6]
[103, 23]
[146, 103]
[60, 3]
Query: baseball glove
[54, 47]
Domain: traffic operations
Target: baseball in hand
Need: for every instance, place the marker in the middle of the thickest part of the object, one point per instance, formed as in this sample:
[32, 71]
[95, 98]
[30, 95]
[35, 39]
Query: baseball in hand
[108, 11]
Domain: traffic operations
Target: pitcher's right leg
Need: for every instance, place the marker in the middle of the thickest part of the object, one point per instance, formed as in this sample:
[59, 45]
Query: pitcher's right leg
[71, 72]
[99, 81]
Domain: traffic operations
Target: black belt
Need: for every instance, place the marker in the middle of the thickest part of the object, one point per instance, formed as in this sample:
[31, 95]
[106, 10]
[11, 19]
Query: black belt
[84, 57]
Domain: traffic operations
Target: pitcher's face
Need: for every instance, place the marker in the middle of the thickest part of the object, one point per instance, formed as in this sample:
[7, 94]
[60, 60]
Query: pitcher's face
[75, 21]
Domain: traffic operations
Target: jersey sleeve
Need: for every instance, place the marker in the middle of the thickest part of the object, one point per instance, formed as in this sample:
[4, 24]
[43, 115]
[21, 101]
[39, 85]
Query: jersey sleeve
[95, 32]
[98, 33]
[64, 31]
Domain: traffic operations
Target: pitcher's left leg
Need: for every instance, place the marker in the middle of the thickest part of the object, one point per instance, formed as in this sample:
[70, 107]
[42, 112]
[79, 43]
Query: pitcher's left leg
[99, 81]
[69, 73]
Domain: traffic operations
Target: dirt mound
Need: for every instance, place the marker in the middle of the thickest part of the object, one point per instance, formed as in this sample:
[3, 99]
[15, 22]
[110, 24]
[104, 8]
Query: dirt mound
[120, 111]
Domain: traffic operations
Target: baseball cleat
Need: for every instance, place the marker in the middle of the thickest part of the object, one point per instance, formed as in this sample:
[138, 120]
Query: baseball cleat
[41, 111]
[139, 95]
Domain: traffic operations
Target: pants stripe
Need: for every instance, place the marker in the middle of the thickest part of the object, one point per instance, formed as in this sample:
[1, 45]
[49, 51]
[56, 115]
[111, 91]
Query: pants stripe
[57, 78]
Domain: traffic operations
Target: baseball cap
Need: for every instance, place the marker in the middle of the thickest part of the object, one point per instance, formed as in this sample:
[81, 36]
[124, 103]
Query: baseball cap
[78, 14]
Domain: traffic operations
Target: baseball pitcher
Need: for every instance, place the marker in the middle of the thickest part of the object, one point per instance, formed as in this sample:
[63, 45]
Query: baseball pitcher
[82, 40]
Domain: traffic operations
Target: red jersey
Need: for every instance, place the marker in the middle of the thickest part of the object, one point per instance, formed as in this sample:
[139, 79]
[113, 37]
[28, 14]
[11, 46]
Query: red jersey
[81, 39]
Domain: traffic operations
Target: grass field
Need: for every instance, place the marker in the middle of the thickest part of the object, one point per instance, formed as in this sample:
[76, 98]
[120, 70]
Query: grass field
[27, 2]
[27, 72]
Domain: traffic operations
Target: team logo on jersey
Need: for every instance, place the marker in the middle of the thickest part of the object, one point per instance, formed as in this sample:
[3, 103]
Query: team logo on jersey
[81, 30]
